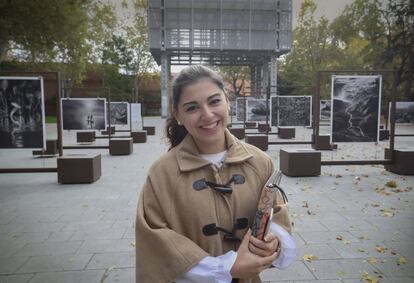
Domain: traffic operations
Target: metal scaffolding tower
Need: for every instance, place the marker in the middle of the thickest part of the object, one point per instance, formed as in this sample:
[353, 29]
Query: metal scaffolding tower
[220, 32]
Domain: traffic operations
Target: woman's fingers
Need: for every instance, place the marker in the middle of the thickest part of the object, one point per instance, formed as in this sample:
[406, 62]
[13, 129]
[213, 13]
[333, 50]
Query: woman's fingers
[264, 248]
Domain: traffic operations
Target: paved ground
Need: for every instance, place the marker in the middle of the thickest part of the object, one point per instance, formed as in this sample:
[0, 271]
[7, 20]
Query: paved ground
[349, 225]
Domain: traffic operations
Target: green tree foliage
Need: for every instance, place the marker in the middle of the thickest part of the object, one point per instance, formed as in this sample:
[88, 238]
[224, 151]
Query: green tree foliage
[127, 49]
[54, 31]
[384, 31]
[312, 50]
[236, 76]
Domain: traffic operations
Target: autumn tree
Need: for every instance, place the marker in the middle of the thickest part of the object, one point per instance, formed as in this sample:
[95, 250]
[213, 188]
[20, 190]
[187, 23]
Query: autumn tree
[54, 31]
[379, 35]
[236, 76]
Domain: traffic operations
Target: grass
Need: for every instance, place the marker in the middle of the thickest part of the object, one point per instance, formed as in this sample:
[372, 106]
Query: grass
[50, 119]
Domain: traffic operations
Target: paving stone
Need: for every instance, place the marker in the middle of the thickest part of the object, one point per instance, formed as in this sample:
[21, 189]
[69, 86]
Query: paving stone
[106, 246]
[10, 265]
[99, 234]
[339, 269]
[361, 250]
[85, 276]
[21, 278]
[312, 237]
[115, 260]
[124, 275]
[321, 251]
[55, 263]
[52, 248]
[296, 271]
[391, 269]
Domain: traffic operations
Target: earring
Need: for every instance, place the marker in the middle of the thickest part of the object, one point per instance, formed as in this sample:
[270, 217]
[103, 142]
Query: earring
[179, 123]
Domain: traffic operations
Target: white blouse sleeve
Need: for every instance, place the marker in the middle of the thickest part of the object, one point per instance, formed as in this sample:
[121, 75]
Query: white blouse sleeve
[211, 270]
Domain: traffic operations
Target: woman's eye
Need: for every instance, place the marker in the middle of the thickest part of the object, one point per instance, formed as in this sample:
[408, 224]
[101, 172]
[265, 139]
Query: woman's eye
[215, 101]
[191, 108]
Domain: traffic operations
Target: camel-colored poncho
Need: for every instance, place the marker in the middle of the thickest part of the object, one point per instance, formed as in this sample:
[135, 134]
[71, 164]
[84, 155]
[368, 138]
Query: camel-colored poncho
[171, 213]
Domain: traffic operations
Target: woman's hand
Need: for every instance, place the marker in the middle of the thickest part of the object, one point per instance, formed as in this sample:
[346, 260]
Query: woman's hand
[248, 264]
[266, 247]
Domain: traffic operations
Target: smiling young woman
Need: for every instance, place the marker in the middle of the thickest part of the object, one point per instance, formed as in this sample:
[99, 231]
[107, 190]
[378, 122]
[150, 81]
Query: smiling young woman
[200, 197]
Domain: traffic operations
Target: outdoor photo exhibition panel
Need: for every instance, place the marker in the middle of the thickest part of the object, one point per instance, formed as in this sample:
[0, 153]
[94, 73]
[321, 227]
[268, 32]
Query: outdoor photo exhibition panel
[256, 110]
[294, 111]
[22, 114]
[83, 113]
[325, 110]
[233, 108]
[119, 113]
[136, 116]
[241, 108]
[273, 111]
[404, 112]
[356, 102]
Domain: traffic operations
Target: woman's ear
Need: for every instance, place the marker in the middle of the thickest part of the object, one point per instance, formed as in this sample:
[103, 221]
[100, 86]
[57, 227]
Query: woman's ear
[175, 115]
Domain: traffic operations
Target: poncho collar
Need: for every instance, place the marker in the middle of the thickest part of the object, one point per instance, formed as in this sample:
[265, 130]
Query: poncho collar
[189, 159]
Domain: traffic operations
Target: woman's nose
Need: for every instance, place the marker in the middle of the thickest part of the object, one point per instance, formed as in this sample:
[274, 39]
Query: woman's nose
[207, 112]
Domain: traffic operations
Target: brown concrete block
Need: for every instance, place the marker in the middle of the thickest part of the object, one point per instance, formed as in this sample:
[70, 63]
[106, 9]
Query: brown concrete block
[51, 148]
[263, 128]
[150, 130]
[238, 132]
[300, 162]
[139, 136]
[79, 168]
[322, 142]
[260, 141]
[250, 125]
[87, 136]
[286, 132]
[403, 161]
[122, 146]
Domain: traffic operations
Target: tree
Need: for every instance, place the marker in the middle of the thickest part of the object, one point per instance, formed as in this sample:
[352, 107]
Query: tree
[128, 48]
[236, 76]
[312, 50]
[385, 31]
[57, 31]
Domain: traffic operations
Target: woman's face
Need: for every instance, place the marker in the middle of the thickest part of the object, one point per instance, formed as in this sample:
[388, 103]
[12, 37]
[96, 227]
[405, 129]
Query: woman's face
[203, 111]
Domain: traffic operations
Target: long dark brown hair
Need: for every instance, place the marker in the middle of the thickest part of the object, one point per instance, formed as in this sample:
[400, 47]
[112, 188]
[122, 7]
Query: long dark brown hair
[176, 133]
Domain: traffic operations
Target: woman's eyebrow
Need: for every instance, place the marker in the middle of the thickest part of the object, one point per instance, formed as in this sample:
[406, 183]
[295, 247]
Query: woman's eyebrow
[208, 98]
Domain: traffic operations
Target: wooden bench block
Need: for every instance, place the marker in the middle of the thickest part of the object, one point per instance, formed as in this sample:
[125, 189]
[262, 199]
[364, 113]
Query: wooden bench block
[79, 168]
[264, 128]
[88, 136]
[139, 136]
[122, 146]
[238, 132]
[106, 132]
[51, 148]
[403, 161]
[300, 162]
[150, 130]
[286, 132]
[250, 125]
[322, 142]
[260, 141]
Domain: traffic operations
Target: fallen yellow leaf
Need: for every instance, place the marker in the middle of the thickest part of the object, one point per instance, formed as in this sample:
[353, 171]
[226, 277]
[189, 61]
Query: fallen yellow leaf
[401, 260]
[309, 257]
[391, 184]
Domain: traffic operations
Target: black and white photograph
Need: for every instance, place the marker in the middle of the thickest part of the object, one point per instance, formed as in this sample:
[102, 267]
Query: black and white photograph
[233, 108]
[22, 115]
[295, 111]
[136, 116]
[325, 110]
[84, 113]
[355, 112]
[257, 110]
[273, 111]
[241, 108]
[404, 112]
[119, 113]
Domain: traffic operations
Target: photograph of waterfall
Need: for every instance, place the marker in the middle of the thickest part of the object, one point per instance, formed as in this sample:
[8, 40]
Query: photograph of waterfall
[295, 110]
[256, 110]
[404, 112]
[119, 113]
[22, 116]
[273, 111]
[325, 110]
[355, 108]
[83, 113]
[241, 108]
